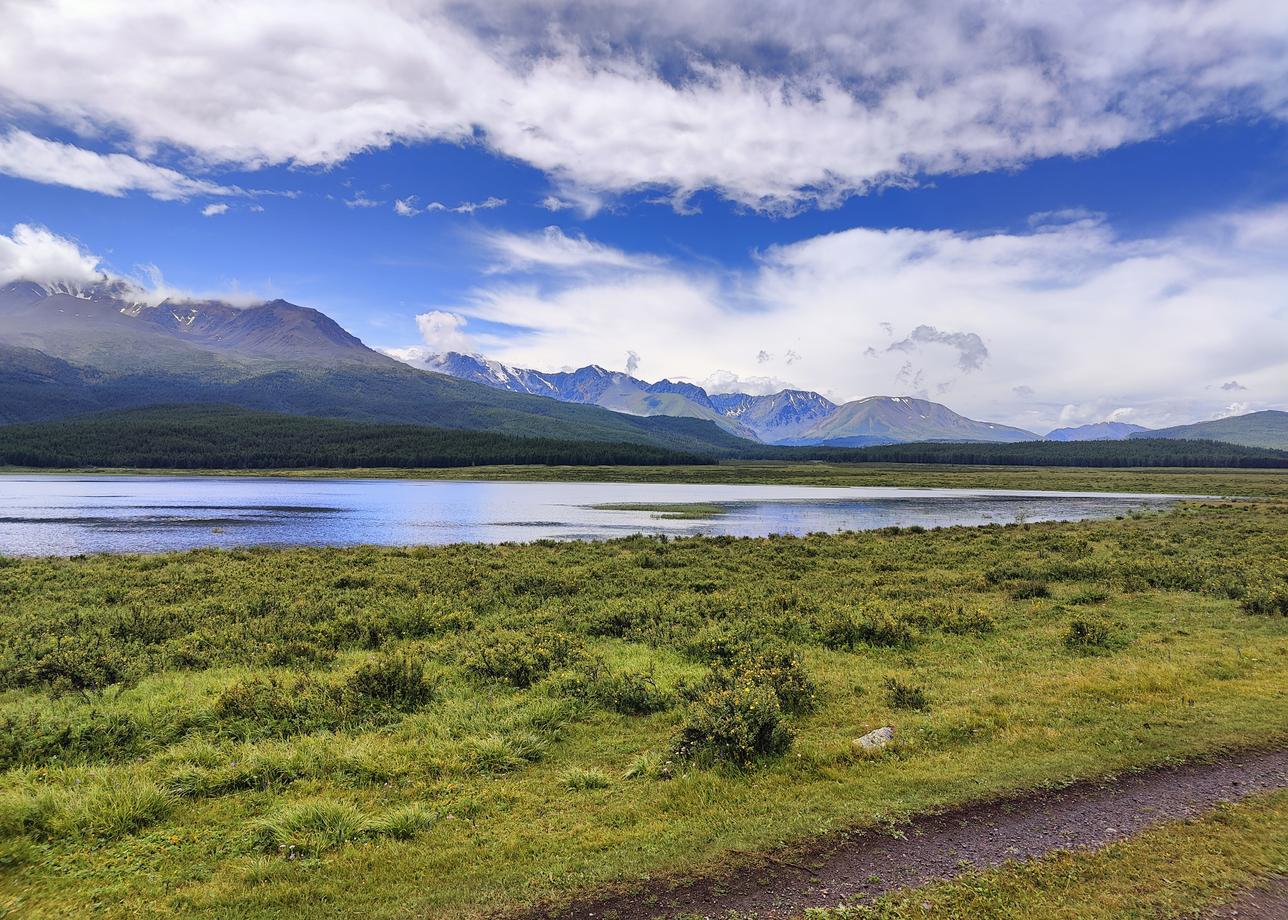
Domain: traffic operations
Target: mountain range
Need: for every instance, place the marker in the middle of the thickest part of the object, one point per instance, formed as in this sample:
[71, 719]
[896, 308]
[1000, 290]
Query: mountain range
[788, 417]
[69, 349]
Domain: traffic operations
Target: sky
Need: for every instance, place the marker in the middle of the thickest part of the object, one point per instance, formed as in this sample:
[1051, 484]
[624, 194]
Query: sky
[1038, 214]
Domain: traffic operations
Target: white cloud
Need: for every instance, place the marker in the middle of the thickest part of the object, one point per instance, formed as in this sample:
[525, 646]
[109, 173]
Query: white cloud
[729, 382]
[35, 254]
[775, 103]
[39, 160]
[443, 331]
[214, 210]
[360, 200]
[406, 207]
[554, 249]
[1090, 323]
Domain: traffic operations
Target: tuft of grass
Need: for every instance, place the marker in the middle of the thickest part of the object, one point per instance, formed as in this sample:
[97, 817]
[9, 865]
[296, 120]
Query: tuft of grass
[117, 809]
[308, 828]
[578, 779]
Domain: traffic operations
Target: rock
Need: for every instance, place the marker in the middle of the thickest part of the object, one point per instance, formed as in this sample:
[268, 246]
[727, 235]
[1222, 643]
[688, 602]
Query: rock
[875, 740]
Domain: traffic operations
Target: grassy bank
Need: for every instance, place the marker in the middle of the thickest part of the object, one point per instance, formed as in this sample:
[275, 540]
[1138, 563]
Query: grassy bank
[1171, 871]
[440, 731]
[1228, 482]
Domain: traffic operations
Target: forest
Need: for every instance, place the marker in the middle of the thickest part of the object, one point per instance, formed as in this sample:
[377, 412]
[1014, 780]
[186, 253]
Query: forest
[207, 437]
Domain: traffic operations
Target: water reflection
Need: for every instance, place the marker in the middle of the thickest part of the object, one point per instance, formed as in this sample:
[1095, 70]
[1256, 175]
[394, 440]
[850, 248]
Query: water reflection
[63, 515]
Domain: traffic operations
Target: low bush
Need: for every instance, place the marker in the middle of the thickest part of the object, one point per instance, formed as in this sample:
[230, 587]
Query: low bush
[518, 659]
[734, 724]
[396, 681]
[1027, 590]
[905, 696]
[1266, 602]
[1088, 635]
[630, 693]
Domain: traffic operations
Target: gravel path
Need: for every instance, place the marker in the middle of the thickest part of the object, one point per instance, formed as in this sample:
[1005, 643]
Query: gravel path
[862, 865]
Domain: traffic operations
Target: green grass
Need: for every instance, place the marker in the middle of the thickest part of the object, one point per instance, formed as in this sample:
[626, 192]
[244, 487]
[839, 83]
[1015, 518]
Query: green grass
[382, 732]
[1226, 482]
[669, 510]
[1170, 871]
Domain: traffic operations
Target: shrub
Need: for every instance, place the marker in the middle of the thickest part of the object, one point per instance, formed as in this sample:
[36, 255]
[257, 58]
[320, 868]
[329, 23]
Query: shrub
[293, 654]
[1089, 596]
[1266, 602]
[784, 673]
[630, 693]
[270, 706]
[734, 724]
[1027, 589]
[82, 665]
[518, 659]
[1087, 635]
[905, 696]
[880, 628]
[396, 681]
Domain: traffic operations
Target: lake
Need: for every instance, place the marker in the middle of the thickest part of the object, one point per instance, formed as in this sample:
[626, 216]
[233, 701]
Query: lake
[67, 515]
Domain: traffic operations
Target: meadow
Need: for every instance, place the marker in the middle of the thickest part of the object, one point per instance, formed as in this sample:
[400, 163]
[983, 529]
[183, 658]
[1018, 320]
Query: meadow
[451, 731]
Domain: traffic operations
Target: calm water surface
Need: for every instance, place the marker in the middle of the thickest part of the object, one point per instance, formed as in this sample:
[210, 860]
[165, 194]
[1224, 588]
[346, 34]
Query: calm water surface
[65, 515]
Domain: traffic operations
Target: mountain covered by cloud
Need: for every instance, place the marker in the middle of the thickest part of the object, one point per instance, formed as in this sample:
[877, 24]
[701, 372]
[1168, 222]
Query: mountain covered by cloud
[793, 417]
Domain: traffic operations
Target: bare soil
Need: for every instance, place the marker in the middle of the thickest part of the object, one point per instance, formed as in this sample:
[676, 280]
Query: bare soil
[1267, 902]
[860, 865]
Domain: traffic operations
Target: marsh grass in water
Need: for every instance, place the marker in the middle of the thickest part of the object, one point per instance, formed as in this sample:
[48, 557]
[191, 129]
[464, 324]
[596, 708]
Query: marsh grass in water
[368, 732]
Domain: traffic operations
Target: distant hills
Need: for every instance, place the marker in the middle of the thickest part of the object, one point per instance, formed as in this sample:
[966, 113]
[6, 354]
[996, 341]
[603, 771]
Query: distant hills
[791, 417]
[208, 437]
[1099, 431]
[224, 437]
[68, 349]
[1268, 428]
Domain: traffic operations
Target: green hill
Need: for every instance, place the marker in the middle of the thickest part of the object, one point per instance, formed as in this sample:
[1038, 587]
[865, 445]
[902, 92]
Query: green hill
[224, 437]
[1143, 452]
[1268, 428]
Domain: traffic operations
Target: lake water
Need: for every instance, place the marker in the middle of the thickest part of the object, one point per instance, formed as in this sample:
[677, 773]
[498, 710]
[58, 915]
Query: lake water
[66, 515]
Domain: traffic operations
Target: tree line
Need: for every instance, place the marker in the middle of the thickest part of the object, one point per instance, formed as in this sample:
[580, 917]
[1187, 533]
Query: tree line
[224, 437]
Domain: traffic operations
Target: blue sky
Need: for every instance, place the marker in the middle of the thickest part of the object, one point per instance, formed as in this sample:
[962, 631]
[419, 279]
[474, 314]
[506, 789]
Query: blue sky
[1099, 198]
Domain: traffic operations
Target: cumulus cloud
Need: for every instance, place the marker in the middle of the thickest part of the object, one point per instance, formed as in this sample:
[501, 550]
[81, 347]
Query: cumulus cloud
[772, 103]
[442, 330]
[971, 351]
[1231, 385]
[31, 253]
[632, 363]
[755, 385]
[214, 210]
[1083, 317]
[27, 156]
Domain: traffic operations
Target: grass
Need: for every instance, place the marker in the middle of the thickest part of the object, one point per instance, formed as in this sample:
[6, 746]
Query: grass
[443, 731]
[1170, 871]
[1190, 481]
[669, 511]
